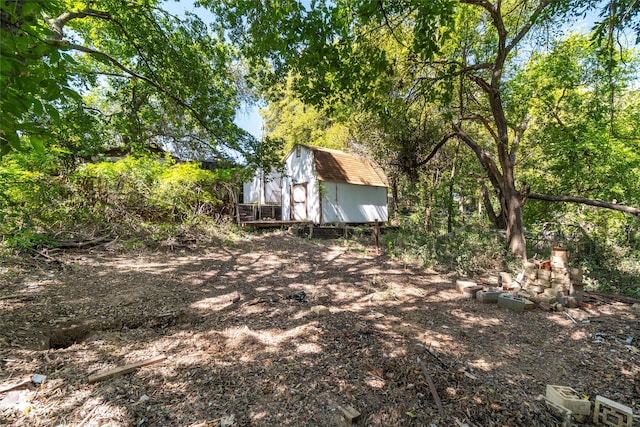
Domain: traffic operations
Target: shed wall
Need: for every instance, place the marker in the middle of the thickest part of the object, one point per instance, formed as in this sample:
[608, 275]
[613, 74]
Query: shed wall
[300, 170]
[264, 189]
[349, 203]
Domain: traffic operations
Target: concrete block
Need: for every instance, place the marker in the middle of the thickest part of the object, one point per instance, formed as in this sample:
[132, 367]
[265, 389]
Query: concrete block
[470, 292]
[563, 413]
[524, 294]
[488, 297]
[558, 262]
[514, 303]
[568, 398]
[610, 413]
[560, 279]
[560, 288]
[577, 291]
[461, 284]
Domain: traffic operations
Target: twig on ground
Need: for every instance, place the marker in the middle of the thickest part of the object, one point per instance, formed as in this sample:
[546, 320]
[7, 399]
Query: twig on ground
[432, 388]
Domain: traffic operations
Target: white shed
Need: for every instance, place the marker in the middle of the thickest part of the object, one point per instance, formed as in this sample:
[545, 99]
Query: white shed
[325, 187]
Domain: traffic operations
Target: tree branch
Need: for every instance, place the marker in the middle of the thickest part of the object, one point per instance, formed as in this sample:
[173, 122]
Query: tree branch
[57, 24]
[158, 86]
[435, 149]
[597, 203]
[525, 30]
[484, 157]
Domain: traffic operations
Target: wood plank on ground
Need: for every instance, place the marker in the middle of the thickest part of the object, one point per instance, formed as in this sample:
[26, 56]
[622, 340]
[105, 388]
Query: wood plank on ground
[121, 370]
[12, 385]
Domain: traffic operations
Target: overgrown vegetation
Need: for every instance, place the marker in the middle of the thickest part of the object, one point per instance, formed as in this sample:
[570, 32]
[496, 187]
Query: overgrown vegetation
[134, 198]
[610, 260]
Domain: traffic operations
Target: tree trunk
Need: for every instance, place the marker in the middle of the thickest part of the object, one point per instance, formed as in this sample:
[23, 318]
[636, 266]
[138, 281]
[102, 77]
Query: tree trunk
[452, 178]
[498, 220]
[515, 225]
[394, 195]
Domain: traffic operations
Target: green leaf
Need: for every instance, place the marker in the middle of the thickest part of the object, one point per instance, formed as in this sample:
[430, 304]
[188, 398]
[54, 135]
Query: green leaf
[37, 144]
[53, 112]
[38, 109]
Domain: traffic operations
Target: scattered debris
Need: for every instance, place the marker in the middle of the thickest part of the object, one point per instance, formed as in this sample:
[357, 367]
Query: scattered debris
[323, 297]
[228, 421]
[17, 400]
[38, 379]
[124, 369]
[300, 297]
[321, 310]
[349, 413]
[277, 363]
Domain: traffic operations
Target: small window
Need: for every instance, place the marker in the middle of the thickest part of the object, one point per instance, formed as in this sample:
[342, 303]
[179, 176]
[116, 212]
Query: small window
[298, 150]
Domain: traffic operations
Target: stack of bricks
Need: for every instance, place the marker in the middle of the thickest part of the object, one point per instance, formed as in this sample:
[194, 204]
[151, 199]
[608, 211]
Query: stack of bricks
[552, 281]
[606, 412]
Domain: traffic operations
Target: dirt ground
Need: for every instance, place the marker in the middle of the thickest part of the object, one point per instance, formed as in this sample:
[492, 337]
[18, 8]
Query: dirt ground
[246, 343]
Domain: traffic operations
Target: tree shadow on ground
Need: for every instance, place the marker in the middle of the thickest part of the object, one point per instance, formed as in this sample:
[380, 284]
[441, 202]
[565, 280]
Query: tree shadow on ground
[245, 338]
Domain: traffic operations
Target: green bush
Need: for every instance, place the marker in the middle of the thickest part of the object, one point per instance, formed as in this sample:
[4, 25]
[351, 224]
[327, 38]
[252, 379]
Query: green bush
[144, 196]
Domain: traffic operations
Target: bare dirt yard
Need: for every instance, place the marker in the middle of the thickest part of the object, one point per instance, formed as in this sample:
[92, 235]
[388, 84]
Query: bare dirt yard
[235, 336]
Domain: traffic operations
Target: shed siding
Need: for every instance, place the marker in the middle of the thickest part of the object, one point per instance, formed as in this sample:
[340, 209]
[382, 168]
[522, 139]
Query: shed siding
[264, 189]
[342, 202]
[346, 203]
[299, 170]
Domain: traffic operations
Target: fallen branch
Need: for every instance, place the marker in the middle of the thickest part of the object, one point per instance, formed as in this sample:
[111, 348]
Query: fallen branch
[435, 356]
[124, 369]
[15, 384]
[82, 244]
[432, 388]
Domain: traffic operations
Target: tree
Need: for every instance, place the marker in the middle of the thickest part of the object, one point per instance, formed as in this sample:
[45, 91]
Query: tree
[472, 48]
[288, 120]
[162, 79]
[577, 141]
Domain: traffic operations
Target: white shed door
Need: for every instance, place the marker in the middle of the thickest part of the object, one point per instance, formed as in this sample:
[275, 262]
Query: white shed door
[299, 201]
